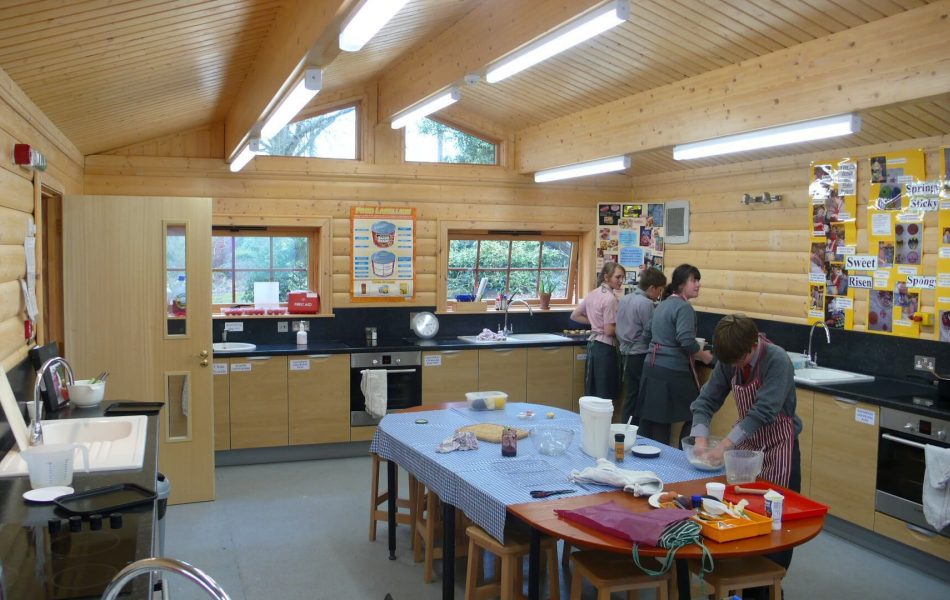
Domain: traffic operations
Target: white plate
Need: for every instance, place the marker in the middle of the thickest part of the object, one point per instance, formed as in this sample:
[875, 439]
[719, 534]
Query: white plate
[645, 451]
[47, 494]
[654, 500]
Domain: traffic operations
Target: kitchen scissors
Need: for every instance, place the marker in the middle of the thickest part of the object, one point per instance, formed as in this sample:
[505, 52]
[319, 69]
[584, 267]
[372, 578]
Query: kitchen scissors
[546, 493]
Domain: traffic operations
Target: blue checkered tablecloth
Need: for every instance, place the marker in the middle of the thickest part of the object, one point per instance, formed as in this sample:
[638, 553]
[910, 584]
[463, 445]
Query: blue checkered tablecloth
[483, 483]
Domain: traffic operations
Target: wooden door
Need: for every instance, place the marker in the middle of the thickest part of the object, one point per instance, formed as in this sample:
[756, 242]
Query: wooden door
[259, 402]
[504, 370]
[448, 374]
[120, 253]
[318, 398]
[550, 376]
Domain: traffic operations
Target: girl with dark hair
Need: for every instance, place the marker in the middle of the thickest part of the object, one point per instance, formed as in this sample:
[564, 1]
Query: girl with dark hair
[669, 380]
[599, 310]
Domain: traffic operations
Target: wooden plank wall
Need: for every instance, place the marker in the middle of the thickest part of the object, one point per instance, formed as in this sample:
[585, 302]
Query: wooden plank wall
[754, 259]
[22, 122]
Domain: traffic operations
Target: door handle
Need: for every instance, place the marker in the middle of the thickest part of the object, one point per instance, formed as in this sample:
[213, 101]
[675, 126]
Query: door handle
[203, 354]
[204, 362]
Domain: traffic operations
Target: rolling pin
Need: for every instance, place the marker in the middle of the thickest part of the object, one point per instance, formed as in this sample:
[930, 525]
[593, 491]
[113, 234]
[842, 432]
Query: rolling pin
[757, 492]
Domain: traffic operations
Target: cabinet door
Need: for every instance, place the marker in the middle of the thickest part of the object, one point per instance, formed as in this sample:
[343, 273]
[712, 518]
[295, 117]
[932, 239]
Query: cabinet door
[503, 369]
[579, 372]
[222, 405]
[844, 457]
[805, 410]
[258, 401]
[549, 378]
[318, 398]
[448, 374]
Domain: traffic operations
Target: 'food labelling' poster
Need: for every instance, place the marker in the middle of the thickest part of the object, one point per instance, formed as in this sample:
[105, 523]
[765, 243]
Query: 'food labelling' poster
[383, 251]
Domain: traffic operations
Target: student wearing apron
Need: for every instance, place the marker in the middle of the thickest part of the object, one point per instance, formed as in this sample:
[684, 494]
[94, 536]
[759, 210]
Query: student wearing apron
[599, 310]
[762, 380]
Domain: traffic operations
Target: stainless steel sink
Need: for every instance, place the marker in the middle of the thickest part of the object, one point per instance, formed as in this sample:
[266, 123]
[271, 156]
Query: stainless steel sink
[232, 347]
[519, 338]
[824, 376]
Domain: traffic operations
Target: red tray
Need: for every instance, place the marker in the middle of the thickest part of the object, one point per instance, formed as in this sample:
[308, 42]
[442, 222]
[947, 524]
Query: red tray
[795, 506]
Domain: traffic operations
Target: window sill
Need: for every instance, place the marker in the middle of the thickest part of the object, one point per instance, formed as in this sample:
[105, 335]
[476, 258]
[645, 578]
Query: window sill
[517, 309]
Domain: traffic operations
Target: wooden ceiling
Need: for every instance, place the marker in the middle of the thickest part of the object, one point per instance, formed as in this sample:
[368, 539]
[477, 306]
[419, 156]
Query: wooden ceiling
[110, 73]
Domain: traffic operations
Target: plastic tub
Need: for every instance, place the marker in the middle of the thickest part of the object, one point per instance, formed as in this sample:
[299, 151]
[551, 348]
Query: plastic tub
[486, 400]
[743, 466]
[384, 263]
[384, 234]
[596, 414]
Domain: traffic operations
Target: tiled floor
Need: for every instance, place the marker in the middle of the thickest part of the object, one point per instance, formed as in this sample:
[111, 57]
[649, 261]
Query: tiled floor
[298, 530]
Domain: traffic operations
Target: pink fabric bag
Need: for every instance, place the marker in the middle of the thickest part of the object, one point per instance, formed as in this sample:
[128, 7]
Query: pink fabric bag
[641, 528]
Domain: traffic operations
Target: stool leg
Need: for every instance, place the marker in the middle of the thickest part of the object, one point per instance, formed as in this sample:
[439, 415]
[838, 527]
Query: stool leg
[776, 593]
[577, 583]
[566, 555]
[508, 566]
[471, 579]
[554, 580]
[374, 498]
[413, 506]
[429, 550]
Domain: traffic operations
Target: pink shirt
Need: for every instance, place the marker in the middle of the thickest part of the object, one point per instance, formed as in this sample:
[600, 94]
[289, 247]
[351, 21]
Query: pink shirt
[600, 308]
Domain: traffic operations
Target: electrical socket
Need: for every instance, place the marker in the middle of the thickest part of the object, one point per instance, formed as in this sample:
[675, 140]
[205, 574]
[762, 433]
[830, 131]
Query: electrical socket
[282, 327]
[923, 363]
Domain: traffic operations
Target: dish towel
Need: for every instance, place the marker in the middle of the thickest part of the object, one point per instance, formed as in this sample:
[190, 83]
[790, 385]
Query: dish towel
[936, 492]
[373, 386]
[639, 483]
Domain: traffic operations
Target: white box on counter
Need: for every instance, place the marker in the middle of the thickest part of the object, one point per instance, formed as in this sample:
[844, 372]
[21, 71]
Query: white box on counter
[486, 400]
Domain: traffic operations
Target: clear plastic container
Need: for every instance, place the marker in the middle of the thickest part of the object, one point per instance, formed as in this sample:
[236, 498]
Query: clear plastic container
[486, 400]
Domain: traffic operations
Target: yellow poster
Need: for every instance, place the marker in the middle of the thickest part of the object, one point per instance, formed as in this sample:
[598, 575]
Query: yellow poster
[833, 192]
[943, 271]
[890, 174]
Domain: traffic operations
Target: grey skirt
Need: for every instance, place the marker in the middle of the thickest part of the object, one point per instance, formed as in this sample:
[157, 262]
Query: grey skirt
[665, 394]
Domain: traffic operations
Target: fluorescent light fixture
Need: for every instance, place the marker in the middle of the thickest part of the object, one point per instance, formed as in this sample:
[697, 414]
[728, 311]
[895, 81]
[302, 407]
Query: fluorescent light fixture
[805, 131]
[245, 155]
[365, 21]
[593, 167]
[582, 29]
[302, 93]
[426, 107]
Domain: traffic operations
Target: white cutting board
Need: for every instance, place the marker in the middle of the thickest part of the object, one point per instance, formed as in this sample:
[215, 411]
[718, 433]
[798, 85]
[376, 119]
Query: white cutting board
[12, 410]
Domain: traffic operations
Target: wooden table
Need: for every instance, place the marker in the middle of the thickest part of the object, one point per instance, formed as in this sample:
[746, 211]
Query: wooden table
[541, 518]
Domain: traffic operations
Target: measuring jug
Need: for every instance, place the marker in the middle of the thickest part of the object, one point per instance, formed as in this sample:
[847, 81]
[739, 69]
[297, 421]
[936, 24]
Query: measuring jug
[52, 464]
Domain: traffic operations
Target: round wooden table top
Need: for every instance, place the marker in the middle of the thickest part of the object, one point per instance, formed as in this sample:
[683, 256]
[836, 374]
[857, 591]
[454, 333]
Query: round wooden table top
[542, 517]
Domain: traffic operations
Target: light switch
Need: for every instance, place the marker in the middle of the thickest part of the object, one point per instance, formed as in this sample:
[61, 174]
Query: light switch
[282, 326]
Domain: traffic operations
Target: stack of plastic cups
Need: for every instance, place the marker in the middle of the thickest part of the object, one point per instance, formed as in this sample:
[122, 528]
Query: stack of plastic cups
[596, 415]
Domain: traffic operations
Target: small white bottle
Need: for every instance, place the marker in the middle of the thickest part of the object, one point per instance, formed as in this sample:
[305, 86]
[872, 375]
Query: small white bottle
[302, 335]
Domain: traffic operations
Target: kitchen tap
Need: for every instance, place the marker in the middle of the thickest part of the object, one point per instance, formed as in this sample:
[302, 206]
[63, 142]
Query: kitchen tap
[148, 565]
[506, 330]
[813, 359]
[224, 335]
[36, 430]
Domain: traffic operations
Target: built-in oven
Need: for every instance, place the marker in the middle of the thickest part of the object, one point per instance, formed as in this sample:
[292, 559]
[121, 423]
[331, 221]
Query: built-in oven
[403, 382]
[901, 465]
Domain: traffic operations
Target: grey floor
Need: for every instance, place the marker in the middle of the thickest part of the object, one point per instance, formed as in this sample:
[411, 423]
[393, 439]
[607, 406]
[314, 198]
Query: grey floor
[298, 530]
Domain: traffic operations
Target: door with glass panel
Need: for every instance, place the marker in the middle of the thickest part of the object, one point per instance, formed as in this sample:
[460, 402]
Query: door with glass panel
[137, 294]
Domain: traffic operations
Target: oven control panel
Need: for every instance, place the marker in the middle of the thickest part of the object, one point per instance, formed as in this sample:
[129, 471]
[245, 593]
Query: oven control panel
[926, 427]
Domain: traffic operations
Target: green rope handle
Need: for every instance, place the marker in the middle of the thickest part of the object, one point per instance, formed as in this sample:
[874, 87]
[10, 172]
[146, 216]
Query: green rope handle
[674, 537]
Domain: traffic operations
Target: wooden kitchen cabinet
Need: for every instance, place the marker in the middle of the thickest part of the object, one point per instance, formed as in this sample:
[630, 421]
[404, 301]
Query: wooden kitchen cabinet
[259, 401]
[222, 404]
[579, 372]
[448, 374]
[844, 457]
[505, 370]
[806, 412]
[318, 398]
[549, 376]
[904, 533]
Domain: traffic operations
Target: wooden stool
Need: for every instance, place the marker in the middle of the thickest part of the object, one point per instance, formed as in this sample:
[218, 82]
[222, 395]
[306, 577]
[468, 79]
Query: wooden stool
[731, 576]
[427, 529]
[609, 572]
[507, 582]
[382, 498]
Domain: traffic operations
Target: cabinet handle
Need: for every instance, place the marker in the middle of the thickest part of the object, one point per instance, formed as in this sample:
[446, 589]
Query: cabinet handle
[258, 357]
[921, 530]
[505, 350]
[318, 356]
[450, 351]
[844, 400]
[550, 348]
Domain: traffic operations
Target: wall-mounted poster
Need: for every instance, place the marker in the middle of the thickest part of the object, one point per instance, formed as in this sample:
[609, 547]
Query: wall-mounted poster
[383, 250]
[832, 189]
[890, 174]
[943, 270]
[630, 234]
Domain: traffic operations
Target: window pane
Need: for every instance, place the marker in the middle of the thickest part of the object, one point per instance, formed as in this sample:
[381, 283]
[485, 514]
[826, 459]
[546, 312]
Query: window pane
[460, 282]
[221, 252]
[493, 254]
[556, 254]
[524, 283]
[252, 253]
[559, 280]
[221, 287]
[428, 140]
[244, 284]
[330, 135]
[462, 253]
[290, 252]
[290, 281]
[175, 247]
[497, 282]
[525, 254]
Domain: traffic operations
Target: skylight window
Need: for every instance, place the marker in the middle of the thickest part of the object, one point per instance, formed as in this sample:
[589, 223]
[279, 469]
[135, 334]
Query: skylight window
[428, 140]
[330, 134]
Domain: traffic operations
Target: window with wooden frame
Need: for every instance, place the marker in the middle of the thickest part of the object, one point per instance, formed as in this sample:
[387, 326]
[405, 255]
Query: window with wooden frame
[242, 256]
[521, 262]
[432, 140]
[329, 133]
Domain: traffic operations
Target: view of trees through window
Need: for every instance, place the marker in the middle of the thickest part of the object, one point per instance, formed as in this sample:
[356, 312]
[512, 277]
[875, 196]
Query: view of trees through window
[238, 261]
[428, 140]
[328, 135]
[512, 266]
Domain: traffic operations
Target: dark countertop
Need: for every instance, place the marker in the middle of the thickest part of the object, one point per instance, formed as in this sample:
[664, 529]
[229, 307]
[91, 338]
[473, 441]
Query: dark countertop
[916, 397]
[20, 521]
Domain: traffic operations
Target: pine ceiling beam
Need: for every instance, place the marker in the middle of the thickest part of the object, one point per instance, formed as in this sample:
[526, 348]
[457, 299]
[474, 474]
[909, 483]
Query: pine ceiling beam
[895, 59]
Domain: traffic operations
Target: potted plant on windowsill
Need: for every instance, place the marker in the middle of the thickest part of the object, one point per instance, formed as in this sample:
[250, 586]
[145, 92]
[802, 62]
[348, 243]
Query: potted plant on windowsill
[545, 289]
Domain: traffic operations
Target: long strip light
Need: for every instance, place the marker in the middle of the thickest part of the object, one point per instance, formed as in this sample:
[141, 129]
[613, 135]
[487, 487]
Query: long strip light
[365, 21]
[805, 131]
[301, 94]
[559, 40]
[243, 157]
[593, 167]
[426, 107]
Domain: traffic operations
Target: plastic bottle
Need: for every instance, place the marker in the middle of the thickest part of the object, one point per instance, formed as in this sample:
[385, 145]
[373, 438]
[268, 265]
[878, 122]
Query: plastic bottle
[302, 335]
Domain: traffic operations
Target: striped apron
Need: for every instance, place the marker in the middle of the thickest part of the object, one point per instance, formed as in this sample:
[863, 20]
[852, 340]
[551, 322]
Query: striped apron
[775, 439]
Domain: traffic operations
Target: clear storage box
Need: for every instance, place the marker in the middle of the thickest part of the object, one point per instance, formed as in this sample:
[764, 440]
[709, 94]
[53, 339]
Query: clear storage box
[486, 400]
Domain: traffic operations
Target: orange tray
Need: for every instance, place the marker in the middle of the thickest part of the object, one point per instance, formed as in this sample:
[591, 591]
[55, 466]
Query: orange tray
[795, 506]
[736, 529]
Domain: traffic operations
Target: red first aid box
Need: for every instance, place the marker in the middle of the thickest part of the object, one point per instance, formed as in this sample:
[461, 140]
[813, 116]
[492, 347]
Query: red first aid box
[301, 303]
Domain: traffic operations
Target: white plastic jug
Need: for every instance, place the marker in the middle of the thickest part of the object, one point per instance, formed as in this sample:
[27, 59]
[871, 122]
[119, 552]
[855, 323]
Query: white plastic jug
[596, 415]
[52, 464]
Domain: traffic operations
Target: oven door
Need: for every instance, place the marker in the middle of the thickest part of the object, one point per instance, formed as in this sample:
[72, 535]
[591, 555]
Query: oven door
[403, 390]
[900, 478]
